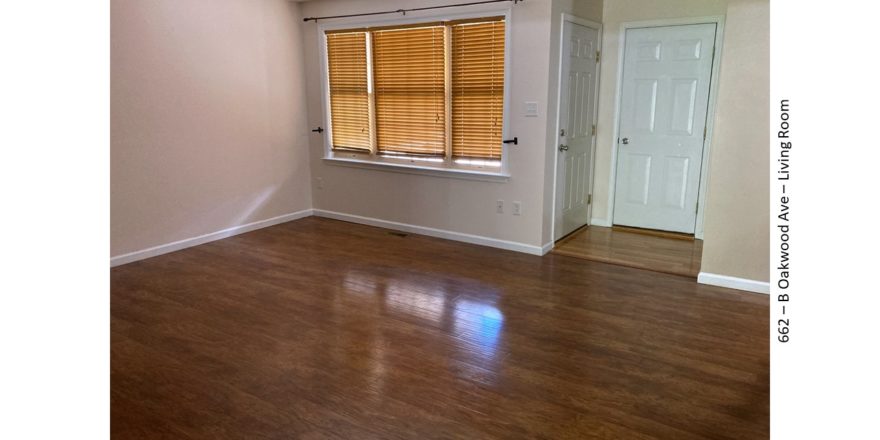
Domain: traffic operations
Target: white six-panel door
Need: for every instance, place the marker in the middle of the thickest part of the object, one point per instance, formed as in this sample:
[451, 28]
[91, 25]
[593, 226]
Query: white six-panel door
[663, 107]
[576, 116]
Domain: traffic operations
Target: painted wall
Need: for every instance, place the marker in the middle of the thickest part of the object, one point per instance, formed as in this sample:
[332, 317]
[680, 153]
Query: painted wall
[737, 221]
[208, 124]
[463, 206]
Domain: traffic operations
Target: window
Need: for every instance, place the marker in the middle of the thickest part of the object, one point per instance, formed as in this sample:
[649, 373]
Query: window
[409, 83]
[477, 89]
[429, 93]
[349, 98]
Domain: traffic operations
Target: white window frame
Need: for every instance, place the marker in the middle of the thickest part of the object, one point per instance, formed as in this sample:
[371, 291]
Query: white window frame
[446, 167]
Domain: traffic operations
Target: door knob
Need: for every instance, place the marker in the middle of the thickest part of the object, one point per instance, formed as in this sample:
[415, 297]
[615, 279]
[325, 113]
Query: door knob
[625, 141]
[563, 147]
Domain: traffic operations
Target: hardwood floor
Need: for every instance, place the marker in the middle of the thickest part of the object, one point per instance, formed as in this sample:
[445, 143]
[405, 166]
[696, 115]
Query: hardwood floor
[630, 248]
[323, 329]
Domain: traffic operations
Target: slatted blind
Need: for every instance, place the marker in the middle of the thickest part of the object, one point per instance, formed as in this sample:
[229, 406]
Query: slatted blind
[477, 89]
[409, 86]
[349, 98]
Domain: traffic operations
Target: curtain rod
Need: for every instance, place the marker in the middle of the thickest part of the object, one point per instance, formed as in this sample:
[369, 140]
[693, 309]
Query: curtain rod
[404, 11]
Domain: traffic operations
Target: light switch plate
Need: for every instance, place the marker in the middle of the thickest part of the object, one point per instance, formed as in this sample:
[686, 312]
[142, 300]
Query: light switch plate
[531, 109]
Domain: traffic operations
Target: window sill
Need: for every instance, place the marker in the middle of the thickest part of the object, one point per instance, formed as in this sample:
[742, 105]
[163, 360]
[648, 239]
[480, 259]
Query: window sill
[424, 170]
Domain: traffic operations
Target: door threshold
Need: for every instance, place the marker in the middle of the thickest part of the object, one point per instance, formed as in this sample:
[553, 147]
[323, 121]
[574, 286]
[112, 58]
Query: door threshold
[654, 232]
[568, 236]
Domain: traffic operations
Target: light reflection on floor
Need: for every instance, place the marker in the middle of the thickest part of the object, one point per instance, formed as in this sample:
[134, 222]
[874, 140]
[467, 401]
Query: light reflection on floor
[475, 327]
[480, 324]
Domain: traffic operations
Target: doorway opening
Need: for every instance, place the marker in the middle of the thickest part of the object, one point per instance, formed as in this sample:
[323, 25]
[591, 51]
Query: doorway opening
[662, 126]
[665, 93]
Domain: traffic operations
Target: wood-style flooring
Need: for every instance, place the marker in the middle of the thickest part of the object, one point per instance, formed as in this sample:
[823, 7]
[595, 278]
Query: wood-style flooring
[641, 250]
[319, 329]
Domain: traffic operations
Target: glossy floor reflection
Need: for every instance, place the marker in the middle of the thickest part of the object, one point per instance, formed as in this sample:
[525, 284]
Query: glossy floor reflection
[634, 249]
[324, 329]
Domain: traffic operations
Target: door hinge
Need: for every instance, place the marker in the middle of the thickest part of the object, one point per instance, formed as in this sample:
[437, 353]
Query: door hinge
[589, 199]
[697, 209]
[704, 134]
[598, 55]
[594, 130]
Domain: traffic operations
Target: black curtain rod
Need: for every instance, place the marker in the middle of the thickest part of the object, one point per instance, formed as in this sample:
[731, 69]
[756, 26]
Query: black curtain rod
[404, 11]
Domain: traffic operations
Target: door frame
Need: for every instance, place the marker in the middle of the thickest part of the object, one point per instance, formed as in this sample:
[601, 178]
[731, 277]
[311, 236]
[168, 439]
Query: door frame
[718, 20]
[569, 18]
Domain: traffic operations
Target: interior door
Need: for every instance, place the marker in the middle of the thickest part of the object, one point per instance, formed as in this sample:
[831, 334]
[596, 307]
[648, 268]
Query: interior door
[574, 165]
[664, 101]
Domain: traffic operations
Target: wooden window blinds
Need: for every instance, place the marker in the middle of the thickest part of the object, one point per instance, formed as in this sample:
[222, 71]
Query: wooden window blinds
[349, 98]
[409, 80]
[477, 89]
[437, 89]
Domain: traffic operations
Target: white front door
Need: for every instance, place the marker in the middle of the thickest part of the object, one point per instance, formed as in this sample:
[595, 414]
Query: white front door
[574, 165]
[664, 101]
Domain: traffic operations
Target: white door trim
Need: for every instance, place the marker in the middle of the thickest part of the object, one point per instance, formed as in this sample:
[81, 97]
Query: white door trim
[568, 18]
[718, 20]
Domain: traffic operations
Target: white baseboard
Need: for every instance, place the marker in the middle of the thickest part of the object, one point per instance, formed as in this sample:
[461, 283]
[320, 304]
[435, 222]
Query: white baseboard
[201, 239]
[439, 233]
[734, 282]
[600, 222]
[547, 248]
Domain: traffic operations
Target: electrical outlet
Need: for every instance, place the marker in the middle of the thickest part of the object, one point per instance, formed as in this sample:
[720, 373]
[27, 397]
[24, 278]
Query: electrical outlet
[499, 206]
[320, 181]
[517, 207]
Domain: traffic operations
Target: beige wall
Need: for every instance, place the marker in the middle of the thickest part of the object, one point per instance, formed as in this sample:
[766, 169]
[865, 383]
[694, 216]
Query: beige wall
[463, 206]
[208, 124]
[586, 9]
[737, 221]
